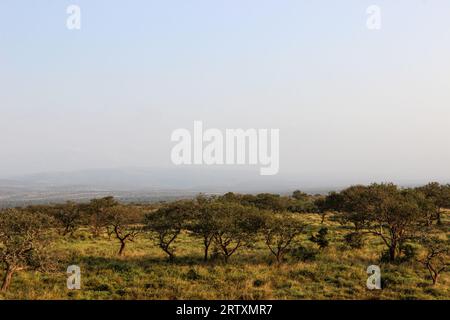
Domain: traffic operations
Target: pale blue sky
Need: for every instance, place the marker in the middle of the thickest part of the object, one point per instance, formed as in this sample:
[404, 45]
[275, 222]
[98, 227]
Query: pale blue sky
[349, 102]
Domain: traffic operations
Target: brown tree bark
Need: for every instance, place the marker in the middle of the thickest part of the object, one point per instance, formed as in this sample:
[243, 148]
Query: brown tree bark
[7, 279]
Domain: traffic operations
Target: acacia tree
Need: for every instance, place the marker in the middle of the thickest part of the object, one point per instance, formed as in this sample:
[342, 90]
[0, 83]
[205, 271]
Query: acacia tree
[332, 202]
[300, 195]
[202, 224]
[354, 204]
[123, 222]
[436, 258]
[68, 216]
[395, 215]
[440, 196]
[98, 211]
[23, 236]
[280, 231]
[235, 226]
[167, 223]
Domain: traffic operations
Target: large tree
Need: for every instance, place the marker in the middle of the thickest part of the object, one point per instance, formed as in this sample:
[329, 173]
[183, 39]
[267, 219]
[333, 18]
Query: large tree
[395, 215]
[23, 239]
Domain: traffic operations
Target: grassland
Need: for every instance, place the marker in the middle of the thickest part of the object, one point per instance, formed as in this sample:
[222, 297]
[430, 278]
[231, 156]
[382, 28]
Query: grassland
[144, 272]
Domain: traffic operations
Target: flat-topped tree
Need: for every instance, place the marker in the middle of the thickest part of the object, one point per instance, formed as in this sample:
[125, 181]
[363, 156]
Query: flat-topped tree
[23, 240]
[383, 210]
[300, 195]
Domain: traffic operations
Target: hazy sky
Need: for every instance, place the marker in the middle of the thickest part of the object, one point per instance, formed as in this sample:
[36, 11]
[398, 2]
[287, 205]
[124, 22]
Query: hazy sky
[349, 101]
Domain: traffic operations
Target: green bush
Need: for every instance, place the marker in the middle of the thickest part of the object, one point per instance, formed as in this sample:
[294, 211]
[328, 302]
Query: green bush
[304, 254]
[354, 240]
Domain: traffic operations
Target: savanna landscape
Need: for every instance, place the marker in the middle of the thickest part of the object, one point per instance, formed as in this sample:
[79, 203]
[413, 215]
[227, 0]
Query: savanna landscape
[233, 246]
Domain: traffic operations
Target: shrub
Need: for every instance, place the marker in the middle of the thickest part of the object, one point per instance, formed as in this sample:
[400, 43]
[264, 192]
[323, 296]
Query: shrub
[354, 240]
[304, 254]
[321, 238]
[409, 253]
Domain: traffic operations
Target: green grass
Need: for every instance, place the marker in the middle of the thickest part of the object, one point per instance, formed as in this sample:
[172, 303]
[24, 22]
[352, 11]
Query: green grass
[144, 272]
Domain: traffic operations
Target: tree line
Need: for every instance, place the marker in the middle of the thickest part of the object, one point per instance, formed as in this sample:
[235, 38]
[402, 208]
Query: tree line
[397, 216]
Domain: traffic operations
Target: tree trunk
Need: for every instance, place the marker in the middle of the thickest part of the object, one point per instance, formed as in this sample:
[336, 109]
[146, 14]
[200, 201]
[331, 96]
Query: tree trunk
[207, 243]
[435, 279]
[205, 257]
[439, 221]
[279, 256]
[122, 247]
[392, 252]
[7, 279]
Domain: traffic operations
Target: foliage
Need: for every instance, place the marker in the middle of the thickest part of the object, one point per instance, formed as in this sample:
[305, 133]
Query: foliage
[279, 233]
[23, 238]
[321, 238]
[167, 223]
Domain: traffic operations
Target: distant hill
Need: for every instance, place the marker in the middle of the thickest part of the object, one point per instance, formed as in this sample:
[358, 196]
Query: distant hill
[154, 184]
[142, 184]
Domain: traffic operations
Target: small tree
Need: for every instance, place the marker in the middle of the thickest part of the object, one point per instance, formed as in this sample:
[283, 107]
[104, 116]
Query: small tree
[202, 223]
[354, 205]
[167, 223]
[98, 211]
[279, 233]
[23, 236]
[436, 258]
[266, 201]
[440, 196]
[300, 195]
[235, 226]
[123, 221]
[321, 238]
[68, 216]
[332, 202]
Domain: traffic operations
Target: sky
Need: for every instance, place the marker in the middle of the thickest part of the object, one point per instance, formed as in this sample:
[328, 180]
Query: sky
[349, 102]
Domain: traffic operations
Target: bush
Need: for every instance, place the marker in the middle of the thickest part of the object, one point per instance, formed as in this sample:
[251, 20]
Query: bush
[409, 253]
[192, 275]
[385, 257]
[321, 238]
[354, 240]
[304, 254]
[102, 287]
[258, 283]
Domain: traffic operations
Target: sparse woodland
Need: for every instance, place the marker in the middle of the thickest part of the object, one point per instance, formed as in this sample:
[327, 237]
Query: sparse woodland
[234, 246]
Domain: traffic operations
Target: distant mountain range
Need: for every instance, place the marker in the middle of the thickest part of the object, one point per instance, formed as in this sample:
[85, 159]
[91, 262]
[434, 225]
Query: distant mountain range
[142, 184]
[157, 184]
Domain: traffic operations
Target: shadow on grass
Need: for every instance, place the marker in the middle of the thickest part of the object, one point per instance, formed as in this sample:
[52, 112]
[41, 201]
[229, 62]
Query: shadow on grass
[125, 264]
